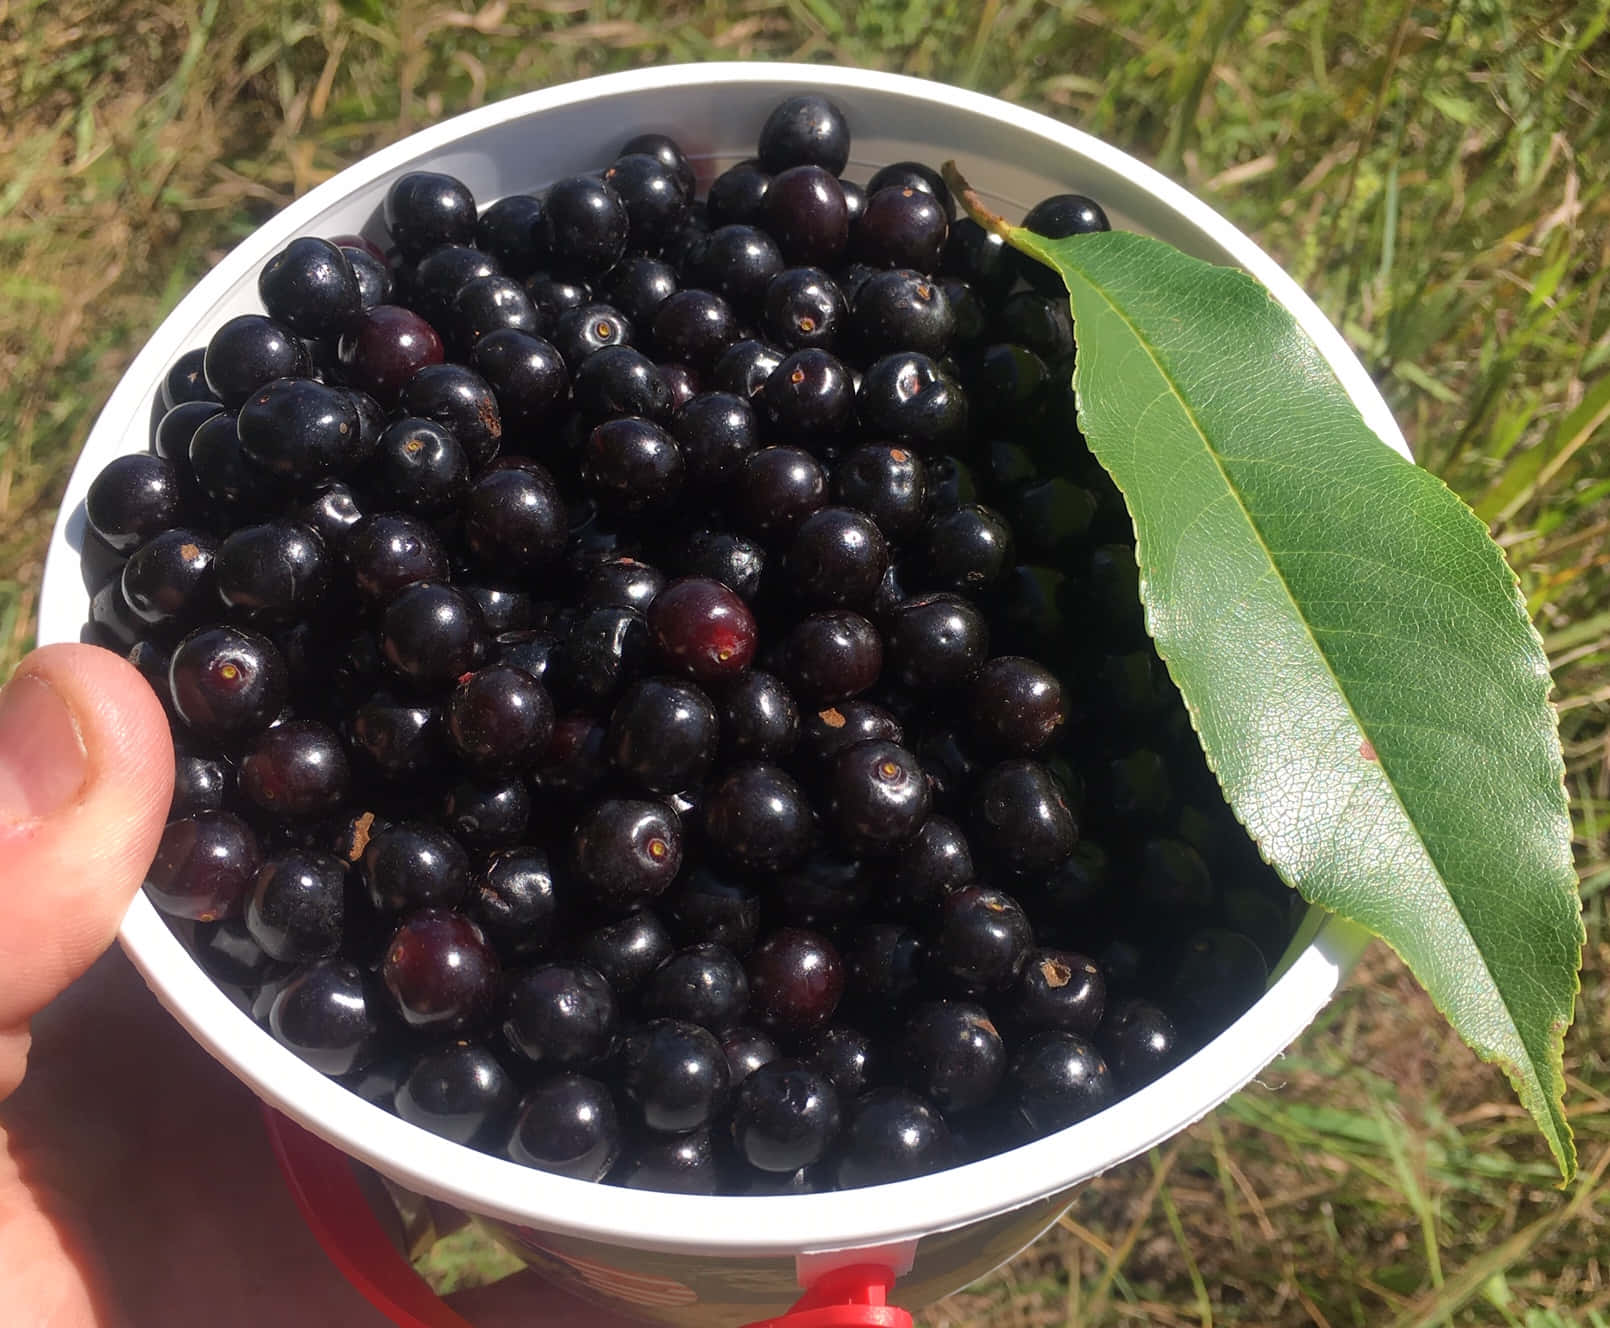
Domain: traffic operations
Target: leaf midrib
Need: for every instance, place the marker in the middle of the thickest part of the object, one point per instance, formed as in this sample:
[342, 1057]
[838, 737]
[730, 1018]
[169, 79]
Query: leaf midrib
[1391, 782]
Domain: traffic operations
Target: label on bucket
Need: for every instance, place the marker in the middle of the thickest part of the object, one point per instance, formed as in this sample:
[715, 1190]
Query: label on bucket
[641, 1289]
[689, 1291]
[726, 1291]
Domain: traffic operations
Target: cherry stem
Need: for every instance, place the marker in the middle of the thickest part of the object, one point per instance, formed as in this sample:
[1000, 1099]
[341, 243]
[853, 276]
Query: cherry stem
[969, 197]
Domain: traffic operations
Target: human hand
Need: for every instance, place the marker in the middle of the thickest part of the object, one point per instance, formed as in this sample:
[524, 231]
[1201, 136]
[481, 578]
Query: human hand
[137, 1186]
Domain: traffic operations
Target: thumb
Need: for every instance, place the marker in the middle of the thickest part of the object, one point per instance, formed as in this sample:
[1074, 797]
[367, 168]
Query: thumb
[86, 776]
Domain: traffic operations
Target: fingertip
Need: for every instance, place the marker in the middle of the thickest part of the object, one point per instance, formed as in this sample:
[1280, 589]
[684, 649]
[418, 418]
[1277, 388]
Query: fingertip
[75, 839]
[120, 720]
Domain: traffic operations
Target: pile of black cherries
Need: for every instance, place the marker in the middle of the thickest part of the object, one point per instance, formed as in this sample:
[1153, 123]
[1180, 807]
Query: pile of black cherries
[659, 685]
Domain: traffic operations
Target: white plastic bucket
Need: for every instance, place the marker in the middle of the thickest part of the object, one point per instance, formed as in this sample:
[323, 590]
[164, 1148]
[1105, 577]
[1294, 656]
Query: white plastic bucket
[685, 1259]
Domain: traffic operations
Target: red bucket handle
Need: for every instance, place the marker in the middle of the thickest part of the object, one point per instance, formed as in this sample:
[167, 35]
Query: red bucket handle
[333, 1205]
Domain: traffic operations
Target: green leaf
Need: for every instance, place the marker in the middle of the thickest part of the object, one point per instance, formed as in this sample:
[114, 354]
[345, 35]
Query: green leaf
[1351, 645]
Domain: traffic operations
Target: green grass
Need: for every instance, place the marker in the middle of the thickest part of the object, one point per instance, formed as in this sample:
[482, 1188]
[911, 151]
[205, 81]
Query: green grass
[1434, 174]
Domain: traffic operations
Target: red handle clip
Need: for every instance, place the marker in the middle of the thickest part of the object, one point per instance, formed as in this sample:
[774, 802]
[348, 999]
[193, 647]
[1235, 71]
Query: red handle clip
[853, 1297]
